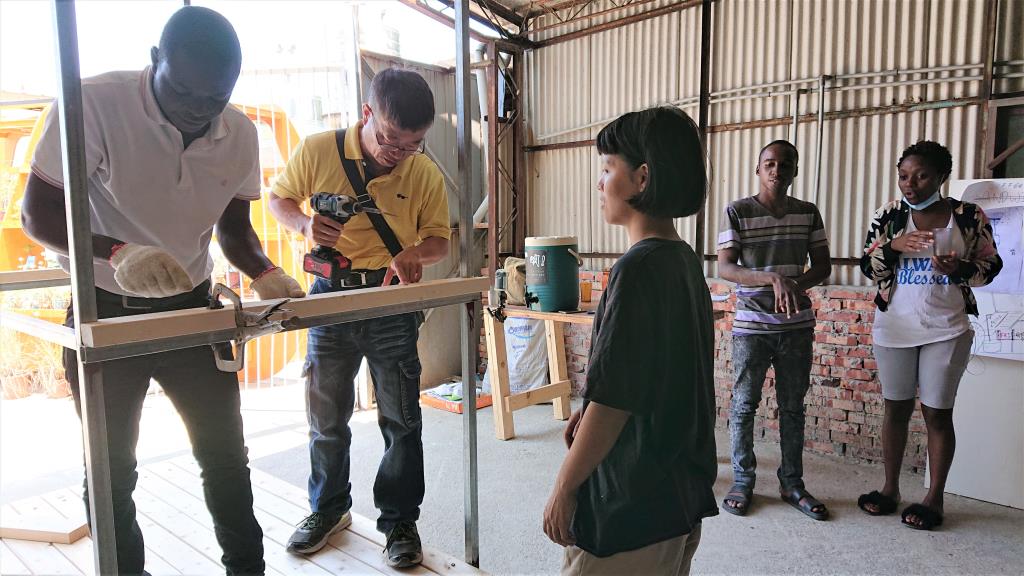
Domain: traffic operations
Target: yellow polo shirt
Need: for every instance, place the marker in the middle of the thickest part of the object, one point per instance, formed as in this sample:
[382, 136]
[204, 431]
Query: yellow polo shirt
[412, 197]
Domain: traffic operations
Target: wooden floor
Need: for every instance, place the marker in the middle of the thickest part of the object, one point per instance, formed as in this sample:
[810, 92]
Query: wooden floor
[179, 532]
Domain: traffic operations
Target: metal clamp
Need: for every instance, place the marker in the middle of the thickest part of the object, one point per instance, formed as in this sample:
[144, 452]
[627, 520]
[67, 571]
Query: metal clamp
[496, 303]
[230, 356]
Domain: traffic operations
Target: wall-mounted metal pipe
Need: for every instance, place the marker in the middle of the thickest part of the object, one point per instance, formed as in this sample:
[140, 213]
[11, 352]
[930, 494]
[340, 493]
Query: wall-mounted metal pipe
[821, 135]
[759, 90]
[793, 133]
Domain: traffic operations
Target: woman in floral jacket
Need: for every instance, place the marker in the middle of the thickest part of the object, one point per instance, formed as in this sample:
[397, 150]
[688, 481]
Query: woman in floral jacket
[922, 336]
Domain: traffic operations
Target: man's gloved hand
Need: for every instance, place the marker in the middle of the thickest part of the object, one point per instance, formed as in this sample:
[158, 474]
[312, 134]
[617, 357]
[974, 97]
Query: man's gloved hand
[274, 283]
[148, 271]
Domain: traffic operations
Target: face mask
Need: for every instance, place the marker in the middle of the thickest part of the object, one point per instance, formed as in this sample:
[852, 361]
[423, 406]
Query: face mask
[921, 206]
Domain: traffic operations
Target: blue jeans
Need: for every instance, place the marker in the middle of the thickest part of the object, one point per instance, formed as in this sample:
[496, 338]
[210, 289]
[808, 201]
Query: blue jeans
[752, 354]
[209, 404]
[333, 356]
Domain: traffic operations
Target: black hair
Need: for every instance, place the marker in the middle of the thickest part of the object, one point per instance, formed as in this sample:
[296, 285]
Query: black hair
[402, 97]
[203, 33]
[785, 143]
[934, 154]
[667, 140]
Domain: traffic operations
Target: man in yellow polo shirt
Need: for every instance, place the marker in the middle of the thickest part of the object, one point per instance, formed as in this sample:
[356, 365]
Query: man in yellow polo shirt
[409, 190]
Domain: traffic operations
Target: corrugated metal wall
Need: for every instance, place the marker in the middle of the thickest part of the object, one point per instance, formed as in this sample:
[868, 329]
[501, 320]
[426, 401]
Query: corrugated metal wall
[761, 52]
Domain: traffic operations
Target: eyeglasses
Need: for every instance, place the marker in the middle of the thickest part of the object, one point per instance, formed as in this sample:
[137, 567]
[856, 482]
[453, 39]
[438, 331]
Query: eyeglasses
[385, 146]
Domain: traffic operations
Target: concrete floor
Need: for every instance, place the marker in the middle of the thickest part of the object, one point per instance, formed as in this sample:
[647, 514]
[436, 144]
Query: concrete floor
[515, 479]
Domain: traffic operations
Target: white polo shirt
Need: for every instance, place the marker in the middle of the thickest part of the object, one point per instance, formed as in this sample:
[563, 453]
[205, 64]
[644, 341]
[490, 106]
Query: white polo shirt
[144, 188]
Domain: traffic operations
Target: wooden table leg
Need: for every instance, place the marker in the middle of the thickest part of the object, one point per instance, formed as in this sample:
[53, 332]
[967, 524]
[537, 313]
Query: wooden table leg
[557, 366]
[497, 363]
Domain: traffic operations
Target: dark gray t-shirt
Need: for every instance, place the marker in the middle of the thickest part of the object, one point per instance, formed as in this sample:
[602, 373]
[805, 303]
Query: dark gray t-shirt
[652, 354]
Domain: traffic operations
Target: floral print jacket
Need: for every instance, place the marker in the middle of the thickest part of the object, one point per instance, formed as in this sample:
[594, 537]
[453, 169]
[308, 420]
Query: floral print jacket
[978, 267]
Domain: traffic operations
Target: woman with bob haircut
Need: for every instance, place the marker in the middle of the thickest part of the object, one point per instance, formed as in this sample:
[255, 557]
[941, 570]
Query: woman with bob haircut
[637, 481]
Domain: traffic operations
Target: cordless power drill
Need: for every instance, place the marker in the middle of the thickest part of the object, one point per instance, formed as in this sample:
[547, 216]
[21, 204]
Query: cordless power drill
[324, 261]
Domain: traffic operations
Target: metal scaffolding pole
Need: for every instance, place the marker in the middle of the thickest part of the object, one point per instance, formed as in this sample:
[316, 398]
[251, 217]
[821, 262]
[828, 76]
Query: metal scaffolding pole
[76, 198]
[470, 315]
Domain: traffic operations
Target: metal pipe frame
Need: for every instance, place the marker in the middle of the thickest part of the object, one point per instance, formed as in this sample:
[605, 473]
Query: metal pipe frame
[76, 198]
[520, 198]
[784, 120]
[790, 86]
[647, 15]
[981, 168]
[493, 229]
[702, 113]
[84, 292]
[470, 314]
[590, 16]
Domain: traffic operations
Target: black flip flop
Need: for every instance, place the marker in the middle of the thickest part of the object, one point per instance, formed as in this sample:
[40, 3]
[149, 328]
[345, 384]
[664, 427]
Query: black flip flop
[930, 517]
[793, 498]
[740, 495]
[883, 503]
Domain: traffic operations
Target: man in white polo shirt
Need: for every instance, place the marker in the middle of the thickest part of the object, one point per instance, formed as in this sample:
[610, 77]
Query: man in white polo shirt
[167, 163]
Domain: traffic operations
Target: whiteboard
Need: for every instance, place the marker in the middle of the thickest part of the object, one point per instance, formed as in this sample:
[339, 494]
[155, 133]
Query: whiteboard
[999, 326]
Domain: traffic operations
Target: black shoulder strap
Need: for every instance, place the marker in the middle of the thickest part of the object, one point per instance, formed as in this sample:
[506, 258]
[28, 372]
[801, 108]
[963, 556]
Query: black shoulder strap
[356, 180]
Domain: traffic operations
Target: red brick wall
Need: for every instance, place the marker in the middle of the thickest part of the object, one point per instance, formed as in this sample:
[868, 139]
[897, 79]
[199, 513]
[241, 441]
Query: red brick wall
[844, 405]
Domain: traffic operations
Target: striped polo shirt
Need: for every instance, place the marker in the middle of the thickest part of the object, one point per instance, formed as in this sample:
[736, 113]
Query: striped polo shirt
[770, 244]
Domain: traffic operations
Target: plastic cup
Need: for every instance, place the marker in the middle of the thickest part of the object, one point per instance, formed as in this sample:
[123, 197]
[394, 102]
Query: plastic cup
[943, 242]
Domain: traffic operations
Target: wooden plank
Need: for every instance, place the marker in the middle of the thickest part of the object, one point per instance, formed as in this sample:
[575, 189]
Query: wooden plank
[80, 554]
[537, 395]
[194, 533]
[42, 558]
[584, 317]
[277, 516]
[145, 327]
[557, 367]
[369, 553]
[184, 490]
[10, 564]
[497, 363]
[25, 279]
[50, 528]
[176, 552]
[433, 560]
[68, 505]
[42, 329]
[35, 519]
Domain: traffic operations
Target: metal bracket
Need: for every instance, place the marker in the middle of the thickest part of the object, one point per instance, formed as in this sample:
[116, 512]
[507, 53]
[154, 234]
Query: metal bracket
[496, 296]
[230, 356]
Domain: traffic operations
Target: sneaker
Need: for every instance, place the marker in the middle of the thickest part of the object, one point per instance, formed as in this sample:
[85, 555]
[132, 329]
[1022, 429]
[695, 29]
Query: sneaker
[403, 548]
[314, 530]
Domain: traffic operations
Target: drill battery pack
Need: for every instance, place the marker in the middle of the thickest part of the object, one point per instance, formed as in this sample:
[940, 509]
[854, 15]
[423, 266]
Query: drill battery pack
[327, 263]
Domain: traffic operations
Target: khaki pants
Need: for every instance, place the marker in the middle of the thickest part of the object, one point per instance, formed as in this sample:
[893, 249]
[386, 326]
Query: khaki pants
[666, 557]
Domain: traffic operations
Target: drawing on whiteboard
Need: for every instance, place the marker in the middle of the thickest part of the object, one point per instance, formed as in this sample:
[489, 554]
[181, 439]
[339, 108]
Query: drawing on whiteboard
[999, 327]
[1008, 233]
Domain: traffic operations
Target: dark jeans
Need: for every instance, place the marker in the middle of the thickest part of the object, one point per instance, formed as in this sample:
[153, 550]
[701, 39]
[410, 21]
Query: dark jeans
[334, 354]
[790, 353]
[209, 403]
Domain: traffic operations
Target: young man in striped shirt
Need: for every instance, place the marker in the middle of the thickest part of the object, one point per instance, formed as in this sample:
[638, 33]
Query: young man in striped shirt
[763, 246]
